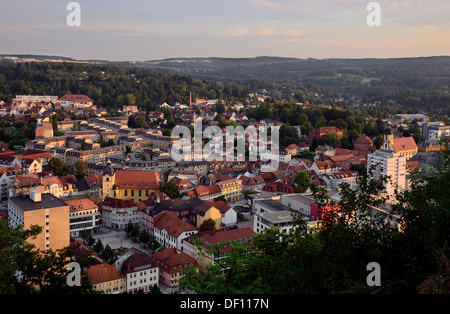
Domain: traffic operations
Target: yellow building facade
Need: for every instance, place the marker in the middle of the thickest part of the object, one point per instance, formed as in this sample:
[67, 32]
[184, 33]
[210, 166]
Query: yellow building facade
[128, 184]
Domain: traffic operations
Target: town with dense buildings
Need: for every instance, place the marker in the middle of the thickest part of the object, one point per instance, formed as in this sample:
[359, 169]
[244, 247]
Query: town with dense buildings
[118, 176]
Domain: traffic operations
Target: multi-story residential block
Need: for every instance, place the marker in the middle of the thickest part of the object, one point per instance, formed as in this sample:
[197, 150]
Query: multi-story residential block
[282, 220]
[7, 176]
[76, 101]
[34, 98]
[386, 162]
[333, 180]
[231, 189]
[84, 215]
[117, 213]
[435, 130]
[170, 231]
[141, 271]
[44, 210]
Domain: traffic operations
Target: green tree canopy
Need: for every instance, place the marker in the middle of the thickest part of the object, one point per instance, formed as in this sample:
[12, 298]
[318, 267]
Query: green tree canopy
[171, 189]
[56, 165]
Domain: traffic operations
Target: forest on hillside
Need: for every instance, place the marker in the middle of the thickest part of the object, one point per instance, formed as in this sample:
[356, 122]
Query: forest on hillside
[110, 86]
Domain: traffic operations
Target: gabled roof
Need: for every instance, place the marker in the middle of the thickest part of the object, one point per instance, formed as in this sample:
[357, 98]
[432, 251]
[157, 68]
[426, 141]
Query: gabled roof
[173, 225]
[81, 204]
[138, 262]
[404, 143]
[173, 258]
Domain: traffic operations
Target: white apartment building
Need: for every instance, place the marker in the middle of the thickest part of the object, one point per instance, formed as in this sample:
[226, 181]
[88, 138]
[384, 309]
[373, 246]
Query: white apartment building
[83, 214]
[142, 272]
[118, 213]
[281, 219]
[170, 231]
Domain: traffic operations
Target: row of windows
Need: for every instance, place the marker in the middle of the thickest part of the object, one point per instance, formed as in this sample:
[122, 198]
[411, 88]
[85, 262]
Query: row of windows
[139, 192]
[143, 280]
[151, 271]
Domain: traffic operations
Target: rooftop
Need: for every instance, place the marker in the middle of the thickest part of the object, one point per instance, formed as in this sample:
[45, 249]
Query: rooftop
[273, 205]
[47, 201]
[278, 217]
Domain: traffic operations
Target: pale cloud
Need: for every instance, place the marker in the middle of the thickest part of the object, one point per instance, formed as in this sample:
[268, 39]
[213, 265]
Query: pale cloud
[262, 3]
[293, 32]
[237, 31]
[431, 28]
[266, 31]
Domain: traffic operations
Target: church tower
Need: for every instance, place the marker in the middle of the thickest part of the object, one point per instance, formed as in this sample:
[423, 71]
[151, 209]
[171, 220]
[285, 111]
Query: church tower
[388, 139]
[108, 179]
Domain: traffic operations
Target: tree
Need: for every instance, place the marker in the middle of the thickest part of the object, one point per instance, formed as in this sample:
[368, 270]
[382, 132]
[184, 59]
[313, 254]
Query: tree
[155, 290]
[207, 224]
[378, 141]
[225, 276]
[134, 232]
[56, 165]
[425, 222]
[140, 121]
[248, 192]
[131, 122]
[80, 169]
[144, 237]
[220, 198]
[98, 247]
[360, 168]
[302, 181]
[108, 255]
[85, 146]
[171, 189]
[42, 272]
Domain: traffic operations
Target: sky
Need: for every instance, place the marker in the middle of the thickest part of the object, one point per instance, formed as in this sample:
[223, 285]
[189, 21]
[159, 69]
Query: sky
[137, 30]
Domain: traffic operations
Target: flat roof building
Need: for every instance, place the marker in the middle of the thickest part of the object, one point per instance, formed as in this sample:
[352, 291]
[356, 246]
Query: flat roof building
[44, 210]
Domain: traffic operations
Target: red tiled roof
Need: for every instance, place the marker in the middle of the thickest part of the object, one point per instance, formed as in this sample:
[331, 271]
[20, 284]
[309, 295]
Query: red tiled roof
[81, 204]
[103, 273]
[404, 143]
[118, 203]
[173, 225]
[75, 98]
[173, 258]
[137, 179]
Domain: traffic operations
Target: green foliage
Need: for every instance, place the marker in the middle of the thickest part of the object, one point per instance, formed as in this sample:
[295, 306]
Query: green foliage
[41, 272]
[171, 189]
[302, 181]
[56, 165]
[111, 86]
[207, 224]
[226, 276]
[80, 169]
[332, 257]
